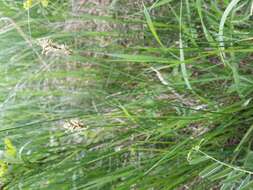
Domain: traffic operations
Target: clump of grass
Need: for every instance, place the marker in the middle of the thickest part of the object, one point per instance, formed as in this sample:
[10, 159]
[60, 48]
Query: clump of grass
[141, 101]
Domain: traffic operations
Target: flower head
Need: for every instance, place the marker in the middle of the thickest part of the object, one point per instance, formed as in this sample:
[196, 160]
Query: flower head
[29, 3]
[9, 148]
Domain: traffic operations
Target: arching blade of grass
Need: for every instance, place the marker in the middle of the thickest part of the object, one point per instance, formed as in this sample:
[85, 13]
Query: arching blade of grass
[207, 34]
[183, 66]
[152, 27]
[226, 13]
[233, 66]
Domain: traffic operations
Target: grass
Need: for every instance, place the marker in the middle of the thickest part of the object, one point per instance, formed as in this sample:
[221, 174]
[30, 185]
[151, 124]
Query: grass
[152, 95]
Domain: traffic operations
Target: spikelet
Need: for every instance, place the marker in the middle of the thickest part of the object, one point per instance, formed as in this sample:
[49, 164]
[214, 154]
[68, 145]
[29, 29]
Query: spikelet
[74, 125]
[51, 48]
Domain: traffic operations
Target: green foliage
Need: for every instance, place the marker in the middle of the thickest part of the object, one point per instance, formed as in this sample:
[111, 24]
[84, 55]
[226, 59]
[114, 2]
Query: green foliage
[140, 96]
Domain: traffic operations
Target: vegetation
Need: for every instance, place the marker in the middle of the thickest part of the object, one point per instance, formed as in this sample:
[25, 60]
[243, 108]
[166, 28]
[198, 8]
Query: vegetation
[126, 95]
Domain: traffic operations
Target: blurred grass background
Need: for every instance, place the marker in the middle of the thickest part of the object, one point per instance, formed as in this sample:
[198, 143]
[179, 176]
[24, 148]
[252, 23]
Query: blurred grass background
[156, 95]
